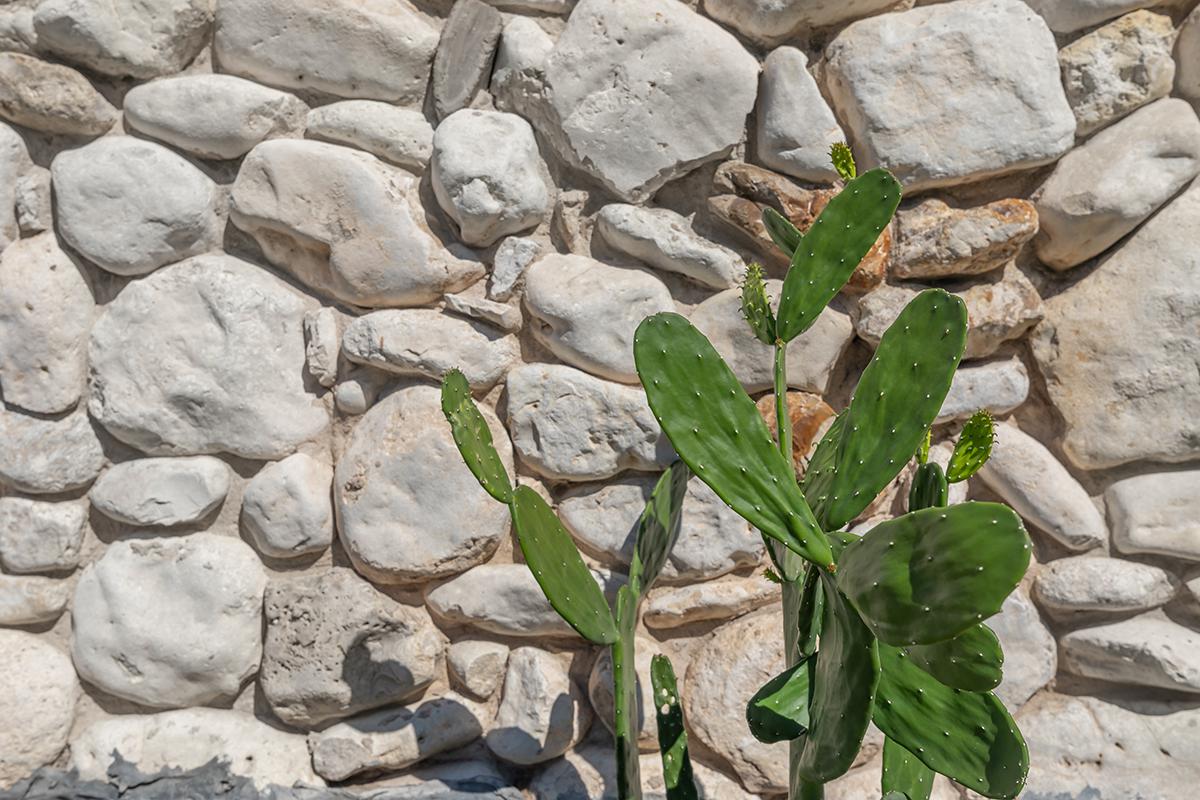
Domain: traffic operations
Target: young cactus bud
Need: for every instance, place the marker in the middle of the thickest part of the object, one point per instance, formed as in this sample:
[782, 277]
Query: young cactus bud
[843, 161]
[929, 488]
[756, 305]
[974, 447]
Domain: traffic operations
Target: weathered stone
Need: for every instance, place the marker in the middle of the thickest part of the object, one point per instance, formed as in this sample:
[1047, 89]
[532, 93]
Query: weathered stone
[586, 312]
[1187, 58]
[47, 456]
[567, 425]
[379, 51]
[665, 240]
[477, 666]
[51, 98]
[519, 74]
[600, 691]
[1084, 583]
[396, 738]
[322, 345]
[38, 689]
[512, 258]
[1122, 381]
[463, 62]
[131, 206]
[161, 491]
[204, 356]
[936, 241]
[16, 29]
[286, 507]
[473, 303]
[36, 536]
[335, 645]
[1109, 185]
[998, 386]
[543, 712]
[213, 116]
[124, 37]
[1149, 650]
[888, 75]
[14, 164]
[1030, 655]
[170, 622]
[589, 772]
[360, 389]
[771, 22]
[344, 223]
[46, 312]
[422, 341]
[796, 127]
[31, 600]
[399, 136]
[408, 508]
[35, 210]
[1029, 478]
[1067, 16]
[809, 415]
[1156, 513]
[709, 601]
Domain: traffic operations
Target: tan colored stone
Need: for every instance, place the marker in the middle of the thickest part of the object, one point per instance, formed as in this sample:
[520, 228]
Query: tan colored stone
[937, 241]
[51, 98]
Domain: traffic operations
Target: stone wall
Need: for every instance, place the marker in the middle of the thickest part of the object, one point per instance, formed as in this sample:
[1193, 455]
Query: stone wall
[242, 239]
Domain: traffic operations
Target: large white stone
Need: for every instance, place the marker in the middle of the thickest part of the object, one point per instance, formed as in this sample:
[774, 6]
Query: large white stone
[1084, 583]
[131, 206]
[170, 622]
[1030, 654]
[14, 165]
[1067, 16]
[400, 136]
[36, 536]
[205, 356]
[543, 712]
[408, 508]
[477, 665]
[286, 507]
[951, 93]
[47, 456]
[671, 607]
[31, 600]
[998, 386]
[1156, 513]
[38, 689]
[51, 98]
[796, 127]
[665, 240]
[161, 491]
[344, 223]
[1149, 650]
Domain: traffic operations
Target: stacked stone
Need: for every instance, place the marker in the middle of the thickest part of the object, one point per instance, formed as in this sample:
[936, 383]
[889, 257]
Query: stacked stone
[242, 240]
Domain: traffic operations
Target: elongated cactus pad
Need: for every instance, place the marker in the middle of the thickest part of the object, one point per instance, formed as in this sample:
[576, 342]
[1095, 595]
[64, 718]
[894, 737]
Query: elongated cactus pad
[973, 660]
[716, 429]
[931, 574]
[756, 305]
[783, 233]
[897, 399]
[659, 527]
[843, 160]
[904, 773]
[833, 247]
[823, 464]
[966, 736]
[672, 737]
[929, 487]
[626, 717]
[779, 711]
[974, 447]
[566, 581]
[473, 437]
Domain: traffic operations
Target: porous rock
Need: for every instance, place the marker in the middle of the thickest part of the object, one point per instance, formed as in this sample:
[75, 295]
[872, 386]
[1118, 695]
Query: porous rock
[38, 689]
[935, 241]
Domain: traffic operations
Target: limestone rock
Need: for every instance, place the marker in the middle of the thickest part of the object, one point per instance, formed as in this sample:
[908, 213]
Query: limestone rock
[343, 223]
[161, 491]
[286, 507]
[170, 622]
[14, 165]
[1108, 186]
[34, 205]
[31, 600]
[335, 645]
[472, 303]
[1149, 650]
[888, 77]
[1067, 16]
[671, 607]
[512, 258]
[1156, 513]
[36, 536]
[16, 29]
[477, 665]
[322, 345]
[1083, 583]
[463, 62]
[1030, 655]
[796, 127]
[998, 386]
[47, 456]
[543, 712]
[46, 312]
[204, 356]
[665, 240]
[408, 508]
[378, 51]
[936, 241]
[131, 206]
[399, 136]
[1187, 58]
[213, 116]
[38, 689]
[519, 74]
[770, 21]
[600, 691]
[360, 390]
[51, 98]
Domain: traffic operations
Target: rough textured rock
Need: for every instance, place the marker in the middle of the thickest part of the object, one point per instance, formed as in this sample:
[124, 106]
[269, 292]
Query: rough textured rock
[477, 665]
[36, 536]
[1066, 16]
[600, 691]
[519, 73]
[286, 507]
[335, 645]
[161, 491]
[1030, 655]
[204, 356]
[379, 50]
[46, 456]
[1187, 57]
[170, 622]
[936, 241]
[16, 29]
[31, 600]
[408, 508]
[473, 303]
[796, 127]
[886, 74]
[998, 386]
[770, 21]
[34, 204]
[512, 258]
[1108, 186]
[37, 698]
[665, 240]
[713, 600]
[14, 165]
[1084, 583]
[1149, 650]
[399, 136]
[1121, 381]
[1156, 513]
[213, 116]
[543, 712]
[131, 206]
[46, 311]
[51, 98]
[322, 345]
[343, 223]
[463, 62]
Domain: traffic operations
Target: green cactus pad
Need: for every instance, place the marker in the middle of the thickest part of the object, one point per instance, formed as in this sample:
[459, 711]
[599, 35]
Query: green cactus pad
[966, 736]
[783, 233]
[923, 450]
[659, 527]
[778, 712]
[812, 609]
[929, 487]
[473, 437]
[973, 660]
[566, 581]
[897, 399]
[931, 574]
[756, 305]
[716, 429]
[904, 773]
[843, 160]
[626, 707]
[974, 447]
[818, 477]
[672, 737]
[833, 247]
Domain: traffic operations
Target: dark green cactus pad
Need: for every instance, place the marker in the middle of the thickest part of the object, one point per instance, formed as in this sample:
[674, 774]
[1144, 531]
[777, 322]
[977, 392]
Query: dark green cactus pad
[818, 477]
[716, 429]
[783, 233]
[974, 447]
[931, 574]
[626, 710]
[473, 437]
[973, 660]
[672, 737]
[843, 160]
[566, 581]
[966, 736]
[904, 774]
[833, 247]
[659, 527]
[897, 399]
[756, 305]
[778, 712]
[929, 487]
[812, 609]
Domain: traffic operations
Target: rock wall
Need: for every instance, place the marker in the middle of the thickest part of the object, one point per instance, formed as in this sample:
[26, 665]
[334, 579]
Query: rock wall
[240, 241]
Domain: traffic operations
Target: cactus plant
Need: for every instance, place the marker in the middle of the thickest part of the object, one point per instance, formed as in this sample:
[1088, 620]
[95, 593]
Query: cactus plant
[672, 736]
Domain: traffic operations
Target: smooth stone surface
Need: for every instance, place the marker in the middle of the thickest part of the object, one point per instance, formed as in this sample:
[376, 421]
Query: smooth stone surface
[46, 312]
[473, 303]
[1187, 57]
[213, 116]
[15, 164]
[998, 386]
[286, 507]
[31, 600]
[408, 508]
[463, 62]
[477, 665]
[344, 223]
[1149, 650]
[205, 356]
[47, 456]
[1066, 16]
[543, 712]
[1084, 583]
[399, 136]
[131, 206]
[381, 50]
[600, 691]
[881, 73]
[335, 646]
[586, 312]
[665, 240]
[1030, 655]
[170, 622]
[567, 425]
[1156, 513]
[1105, 188]
[322, 343]
[512, 258]
[796, 127]
[38, 689]
[36, 536]
[51, 98]
[671, 607]
[161, 491]
[935, 241]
